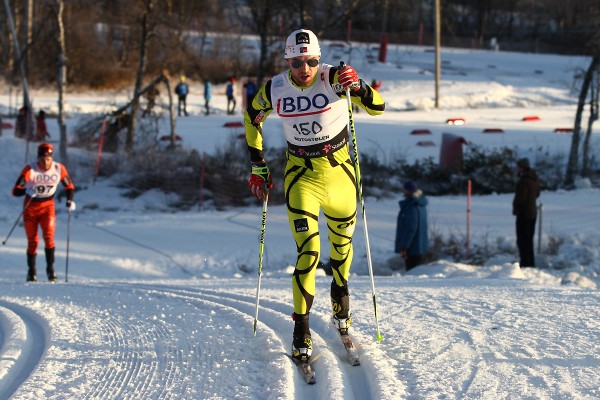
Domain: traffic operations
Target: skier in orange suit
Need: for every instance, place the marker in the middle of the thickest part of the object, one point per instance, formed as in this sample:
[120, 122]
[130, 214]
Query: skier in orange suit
[38, 183]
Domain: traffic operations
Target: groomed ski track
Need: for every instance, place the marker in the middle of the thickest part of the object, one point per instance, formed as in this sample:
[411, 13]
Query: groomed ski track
[146, 357]
[24, 338]
[193, 339]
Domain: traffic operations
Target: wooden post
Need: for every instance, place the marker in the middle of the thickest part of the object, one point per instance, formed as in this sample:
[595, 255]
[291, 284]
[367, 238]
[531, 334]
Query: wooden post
[468, 218]
[437, 53]
[100, 146]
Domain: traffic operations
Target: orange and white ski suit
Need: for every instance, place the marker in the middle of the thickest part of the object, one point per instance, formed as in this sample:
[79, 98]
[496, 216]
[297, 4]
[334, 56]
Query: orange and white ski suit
[39, 188]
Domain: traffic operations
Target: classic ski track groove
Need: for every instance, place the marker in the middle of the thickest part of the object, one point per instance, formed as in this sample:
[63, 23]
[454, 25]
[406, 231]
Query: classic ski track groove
[189, 296]
[134, 367]
[325, 337]
[142, 371]
[356, 382]
[302, 391]
[245, 309]
[28, 358]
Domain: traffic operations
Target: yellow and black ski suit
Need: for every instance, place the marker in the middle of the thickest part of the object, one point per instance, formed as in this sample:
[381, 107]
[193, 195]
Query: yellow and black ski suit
[319, 172]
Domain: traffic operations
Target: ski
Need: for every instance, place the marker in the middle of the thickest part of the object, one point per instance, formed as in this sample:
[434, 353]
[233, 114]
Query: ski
[308, 373]
[351, 351]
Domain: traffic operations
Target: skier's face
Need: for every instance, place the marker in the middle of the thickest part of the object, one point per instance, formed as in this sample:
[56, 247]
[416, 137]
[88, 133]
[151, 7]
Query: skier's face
[302, 73]
[45, 162]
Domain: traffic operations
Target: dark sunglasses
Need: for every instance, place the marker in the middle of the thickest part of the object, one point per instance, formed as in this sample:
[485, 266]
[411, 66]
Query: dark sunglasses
[313, 62]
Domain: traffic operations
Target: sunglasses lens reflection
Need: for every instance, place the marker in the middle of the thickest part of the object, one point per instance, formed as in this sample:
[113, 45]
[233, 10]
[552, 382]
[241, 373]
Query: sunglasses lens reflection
[313, 62]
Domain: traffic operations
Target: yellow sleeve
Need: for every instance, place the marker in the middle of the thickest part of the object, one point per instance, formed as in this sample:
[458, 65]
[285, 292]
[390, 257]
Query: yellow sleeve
[366, 97]
[257, 111]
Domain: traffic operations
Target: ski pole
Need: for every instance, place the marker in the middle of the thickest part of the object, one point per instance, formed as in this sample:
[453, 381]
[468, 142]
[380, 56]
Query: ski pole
[362, 204]
[17, 220]
[68, 241]
[261, 249]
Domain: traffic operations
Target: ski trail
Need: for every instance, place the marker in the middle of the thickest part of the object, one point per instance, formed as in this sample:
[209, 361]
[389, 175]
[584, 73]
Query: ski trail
[275, 353]
[26, 338]
[345, 381]
[336, 378]
[145, 357]
[131, 369]
[216, 362]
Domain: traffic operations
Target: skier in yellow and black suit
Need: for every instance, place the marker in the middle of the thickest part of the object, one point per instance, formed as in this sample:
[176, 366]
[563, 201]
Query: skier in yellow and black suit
[310, 99]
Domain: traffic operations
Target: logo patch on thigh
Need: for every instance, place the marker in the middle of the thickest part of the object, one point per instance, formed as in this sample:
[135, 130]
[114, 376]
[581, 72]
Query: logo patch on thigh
[301, 225]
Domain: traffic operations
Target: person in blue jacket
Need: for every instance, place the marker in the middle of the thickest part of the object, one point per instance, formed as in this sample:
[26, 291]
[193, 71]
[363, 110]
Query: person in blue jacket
[230, 92]
[412, 241]
[181, 90]
[207, 96]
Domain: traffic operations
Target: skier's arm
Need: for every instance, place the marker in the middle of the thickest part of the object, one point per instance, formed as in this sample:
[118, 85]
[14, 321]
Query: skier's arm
[256, 113]
[364, 97]
[67, 183]
[19, 188]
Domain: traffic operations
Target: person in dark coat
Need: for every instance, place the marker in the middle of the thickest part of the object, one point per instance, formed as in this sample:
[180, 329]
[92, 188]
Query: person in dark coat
[525, 209]
[412, 239]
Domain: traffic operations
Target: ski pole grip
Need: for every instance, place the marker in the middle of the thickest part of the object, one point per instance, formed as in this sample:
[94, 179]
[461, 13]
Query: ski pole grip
[342, 64]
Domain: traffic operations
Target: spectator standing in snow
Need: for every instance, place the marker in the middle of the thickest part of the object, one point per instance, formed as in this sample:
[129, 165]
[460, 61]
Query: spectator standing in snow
[412, 239]
[525, 210]
[230, 92]
[319, 174]
[38, 183]
[41, 132]
[207, 95]
[181, 90]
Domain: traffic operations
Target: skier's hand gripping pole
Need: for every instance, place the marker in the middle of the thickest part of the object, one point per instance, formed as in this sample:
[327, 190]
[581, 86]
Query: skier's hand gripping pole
[352, 131]
[261, 249]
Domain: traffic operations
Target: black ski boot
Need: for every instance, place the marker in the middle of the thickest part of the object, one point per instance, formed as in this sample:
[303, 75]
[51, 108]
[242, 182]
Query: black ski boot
[50, 264]
[340, 303]
[31, 268]
[302, 343]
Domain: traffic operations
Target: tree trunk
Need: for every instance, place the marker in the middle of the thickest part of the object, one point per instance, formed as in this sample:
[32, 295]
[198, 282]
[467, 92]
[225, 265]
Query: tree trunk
[135, 105]
[572, 165]
[261, 17]
[165, 79]
[26, 98]
[28, 37]
[585, 169]
[62, 82]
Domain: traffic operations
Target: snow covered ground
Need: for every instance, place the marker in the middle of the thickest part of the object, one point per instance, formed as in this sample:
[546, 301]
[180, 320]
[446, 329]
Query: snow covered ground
[160, 305]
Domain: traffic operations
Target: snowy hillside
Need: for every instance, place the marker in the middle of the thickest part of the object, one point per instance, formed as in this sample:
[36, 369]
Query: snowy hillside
[160, 304]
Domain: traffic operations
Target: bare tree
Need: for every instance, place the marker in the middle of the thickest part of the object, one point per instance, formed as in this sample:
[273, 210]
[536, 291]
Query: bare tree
[262, 15]
[573, 163]
[147, 31]
[26, 98]
[593, 117]
[62, 80]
